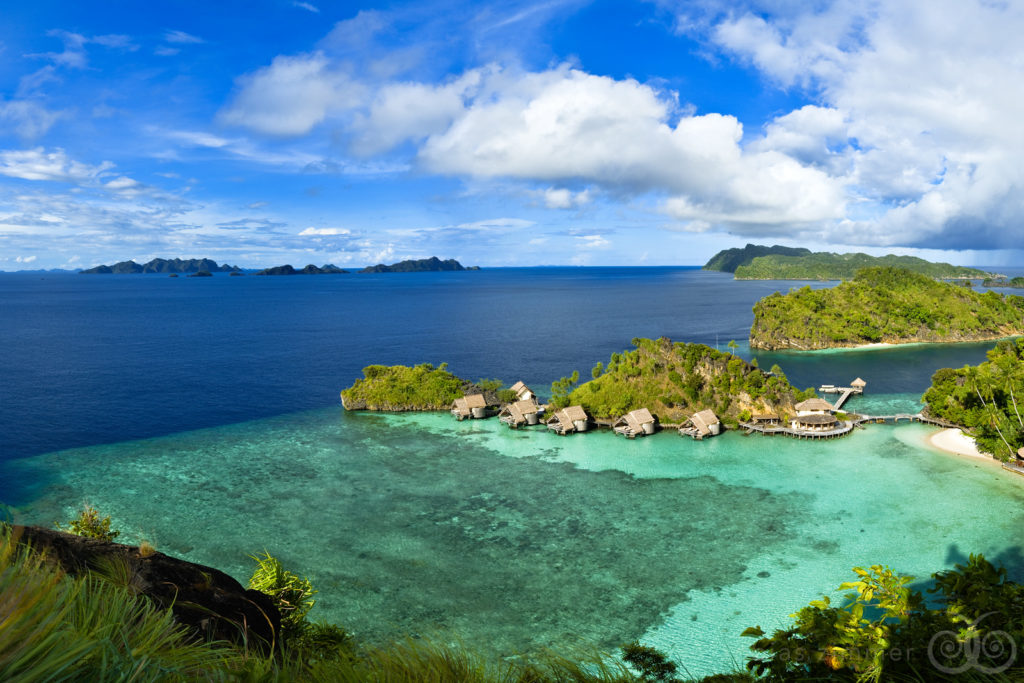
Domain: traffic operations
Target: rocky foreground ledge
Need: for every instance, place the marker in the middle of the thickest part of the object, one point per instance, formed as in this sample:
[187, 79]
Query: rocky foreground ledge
[206, 600]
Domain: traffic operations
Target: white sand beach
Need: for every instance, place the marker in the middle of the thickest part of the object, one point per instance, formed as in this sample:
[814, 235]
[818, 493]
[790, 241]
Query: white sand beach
[955, 441]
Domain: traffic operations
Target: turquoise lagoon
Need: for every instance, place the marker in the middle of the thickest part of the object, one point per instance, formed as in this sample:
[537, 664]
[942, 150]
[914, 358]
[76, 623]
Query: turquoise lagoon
[510, 541]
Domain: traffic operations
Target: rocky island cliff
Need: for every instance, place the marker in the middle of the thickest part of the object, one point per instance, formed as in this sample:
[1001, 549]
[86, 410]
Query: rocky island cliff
[883, 305]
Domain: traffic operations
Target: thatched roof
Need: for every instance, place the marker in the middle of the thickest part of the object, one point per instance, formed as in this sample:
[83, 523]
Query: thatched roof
[814, 404]
[575, 413]
[466, 404]
[1020, 452]
[476, 401]
[519, 387]
[764, 417]
[635, 420]
[816, 420]
[567, 416]
[520, 409]
[858, 383]
[703, 420]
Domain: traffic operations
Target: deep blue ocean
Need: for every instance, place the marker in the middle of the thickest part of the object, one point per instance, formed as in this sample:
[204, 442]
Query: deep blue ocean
[203, 415]
[91, 359]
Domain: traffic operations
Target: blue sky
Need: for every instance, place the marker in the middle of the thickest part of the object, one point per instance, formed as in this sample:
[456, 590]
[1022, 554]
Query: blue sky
[506, 134]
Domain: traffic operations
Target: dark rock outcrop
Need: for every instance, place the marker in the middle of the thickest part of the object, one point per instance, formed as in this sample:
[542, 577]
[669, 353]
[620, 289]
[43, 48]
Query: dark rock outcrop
[326, 269]
[206, 600]
[418, 266]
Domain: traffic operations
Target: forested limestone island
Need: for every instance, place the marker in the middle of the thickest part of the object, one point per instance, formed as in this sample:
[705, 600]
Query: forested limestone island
[159, 265]
[728, 260]
[1017, 282]
[984, 399]
[828, 266]
[400, 388]
[327, 269]
[431, 264]
[757, 262]
[883, 305]
[674, 380]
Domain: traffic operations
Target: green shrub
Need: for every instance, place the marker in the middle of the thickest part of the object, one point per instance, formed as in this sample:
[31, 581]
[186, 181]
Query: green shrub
[90, 525]
[292, 594]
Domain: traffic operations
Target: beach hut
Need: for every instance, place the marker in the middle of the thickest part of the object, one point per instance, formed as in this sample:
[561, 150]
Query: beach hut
[814, 406]
[520, 413]
[523, 392]
[636, 423]
[569, 420]
[766, 419]
[815, 422]
[858, 385]
[472, 406]
[704, 423]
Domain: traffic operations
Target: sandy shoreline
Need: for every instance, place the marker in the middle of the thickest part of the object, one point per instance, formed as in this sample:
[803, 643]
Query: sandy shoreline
[956, 442]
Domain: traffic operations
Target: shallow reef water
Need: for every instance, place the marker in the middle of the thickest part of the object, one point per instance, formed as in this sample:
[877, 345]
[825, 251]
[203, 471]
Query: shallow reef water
[510, 541]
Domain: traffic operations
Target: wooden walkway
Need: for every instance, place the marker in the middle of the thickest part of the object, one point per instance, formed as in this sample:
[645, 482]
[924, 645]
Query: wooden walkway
[1014, 467]
[847, 392]
[916, 417]
[773, 430]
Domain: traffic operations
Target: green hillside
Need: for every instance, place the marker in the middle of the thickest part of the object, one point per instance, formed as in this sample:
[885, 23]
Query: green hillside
[675, 380]
[888, 305]
[827, 266]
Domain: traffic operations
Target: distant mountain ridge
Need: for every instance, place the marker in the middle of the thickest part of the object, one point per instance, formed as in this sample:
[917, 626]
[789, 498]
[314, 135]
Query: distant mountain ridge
[728, 260]
[159, 265]
[418, 266]
[326, 269]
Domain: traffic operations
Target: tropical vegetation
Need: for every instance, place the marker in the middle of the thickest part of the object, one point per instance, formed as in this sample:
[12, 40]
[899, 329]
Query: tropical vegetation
[983, 399]
[885, 629]
[675, 380]
[829, 266]
[400, 387]
[883, 304]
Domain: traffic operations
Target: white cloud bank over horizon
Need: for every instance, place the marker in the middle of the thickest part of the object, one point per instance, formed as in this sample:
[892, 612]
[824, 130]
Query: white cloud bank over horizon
[912, 137]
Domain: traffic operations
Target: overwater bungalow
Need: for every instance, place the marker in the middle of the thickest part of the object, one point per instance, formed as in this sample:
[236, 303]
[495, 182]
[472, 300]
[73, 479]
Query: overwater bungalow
[472, 406]
[815, 422]
[702, 424]
[636, 423]
[523, 392]
[520, 414]
[858, 385]
[569, 420]
[766, 419]
[814, 406]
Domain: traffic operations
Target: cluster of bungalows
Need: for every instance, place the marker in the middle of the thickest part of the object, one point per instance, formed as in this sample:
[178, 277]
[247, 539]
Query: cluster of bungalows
[526, 411]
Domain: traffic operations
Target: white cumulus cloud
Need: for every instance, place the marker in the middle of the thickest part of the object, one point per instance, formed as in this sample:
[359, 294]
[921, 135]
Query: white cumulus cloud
[291, 96]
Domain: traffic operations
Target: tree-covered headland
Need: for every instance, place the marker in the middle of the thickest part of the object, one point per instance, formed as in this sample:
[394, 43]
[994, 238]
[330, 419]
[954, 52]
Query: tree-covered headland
[986, 399]
[889, 305]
